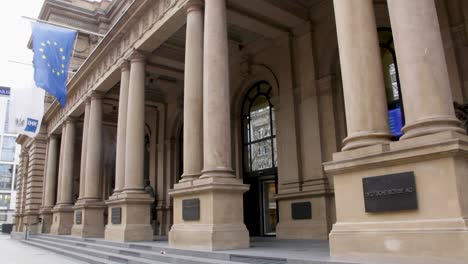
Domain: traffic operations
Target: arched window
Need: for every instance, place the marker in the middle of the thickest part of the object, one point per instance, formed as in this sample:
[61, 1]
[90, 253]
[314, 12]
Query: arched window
[259, 132]
[392, 82]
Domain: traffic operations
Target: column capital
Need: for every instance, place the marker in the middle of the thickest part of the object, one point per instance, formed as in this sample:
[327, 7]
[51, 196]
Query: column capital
[70, 120]
[125, 66]
[53, 136]
[194, 5]
[138, 56]
[95, 95]
[87, 101]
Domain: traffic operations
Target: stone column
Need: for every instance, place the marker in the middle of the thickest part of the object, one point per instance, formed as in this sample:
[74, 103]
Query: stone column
[51, 178]
[66, 187]
[422, 67]
[193, 93]
[50, 184]
[89, 211]
[94, 150]
[60, 167]
[130, 212]
[63, 212]
[84, 148]
[363, 81]
[217, 195]
[135, 132]
[121, 127]
[216, 103]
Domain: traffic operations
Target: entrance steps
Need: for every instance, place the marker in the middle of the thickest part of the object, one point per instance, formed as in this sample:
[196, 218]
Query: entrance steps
[99, 251]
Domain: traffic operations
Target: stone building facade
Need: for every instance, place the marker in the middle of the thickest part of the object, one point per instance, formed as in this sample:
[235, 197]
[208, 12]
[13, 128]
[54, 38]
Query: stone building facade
[258, 118]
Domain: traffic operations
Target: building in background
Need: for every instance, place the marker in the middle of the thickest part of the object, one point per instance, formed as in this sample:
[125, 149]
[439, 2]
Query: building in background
[8, 161]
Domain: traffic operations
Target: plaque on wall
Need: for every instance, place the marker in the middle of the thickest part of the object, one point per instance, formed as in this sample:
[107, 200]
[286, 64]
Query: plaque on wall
[78, 216]
[301, 211]
[116, 215]
[191, 209]
[392, 192]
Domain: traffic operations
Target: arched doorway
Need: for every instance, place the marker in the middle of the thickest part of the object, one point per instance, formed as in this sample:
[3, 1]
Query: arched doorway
[259, 161]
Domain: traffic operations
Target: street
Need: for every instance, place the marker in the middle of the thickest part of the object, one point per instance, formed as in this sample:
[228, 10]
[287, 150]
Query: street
[15, 252]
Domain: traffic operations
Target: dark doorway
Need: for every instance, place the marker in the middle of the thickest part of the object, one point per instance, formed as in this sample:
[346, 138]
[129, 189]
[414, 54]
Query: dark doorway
[260, 161]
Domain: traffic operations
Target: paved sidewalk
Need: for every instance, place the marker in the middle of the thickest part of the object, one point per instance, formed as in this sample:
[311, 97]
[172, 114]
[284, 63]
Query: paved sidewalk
[15, 252]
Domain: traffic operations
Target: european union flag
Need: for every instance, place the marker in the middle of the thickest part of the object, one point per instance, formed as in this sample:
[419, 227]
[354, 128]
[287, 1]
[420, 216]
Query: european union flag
[52, 48]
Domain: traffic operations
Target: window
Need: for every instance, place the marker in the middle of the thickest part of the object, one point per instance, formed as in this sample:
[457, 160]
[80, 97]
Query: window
[8, 148]
[3, 217]
[392, 82]
[259, 133]
[5, 200]
[7, 116]
[6, 173]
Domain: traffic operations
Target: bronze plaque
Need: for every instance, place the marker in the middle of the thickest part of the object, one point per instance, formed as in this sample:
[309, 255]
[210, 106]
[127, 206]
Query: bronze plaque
[191, 209]
[392, 192]
[116, 215]
[78, 215]
[301, 211]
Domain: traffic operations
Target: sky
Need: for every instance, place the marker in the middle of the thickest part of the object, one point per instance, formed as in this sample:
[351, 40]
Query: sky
[15, 33]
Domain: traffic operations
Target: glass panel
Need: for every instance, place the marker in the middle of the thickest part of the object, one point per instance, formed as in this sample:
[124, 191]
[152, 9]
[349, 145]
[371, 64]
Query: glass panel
[246, 129]
[247, 158]
[8, 148]
[252, 93]
[261, 155]
[260, 119]
[391, 84]
[5, 200]
[393, 78]
[16, 177]
[275, 151]
[7, 116]
[265, 88]
[273, 120]
[246, 107]
[269, 208]
[6, 172]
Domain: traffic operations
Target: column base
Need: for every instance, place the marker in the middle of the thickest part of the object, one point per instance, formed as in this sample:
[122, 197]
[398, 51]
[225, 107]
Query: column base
[62, 220]
[47, 219]
[88, 219]
[220, 224]
[436, 223]
[431, 126]
[317, 226]
[364, 139]
[129, 217]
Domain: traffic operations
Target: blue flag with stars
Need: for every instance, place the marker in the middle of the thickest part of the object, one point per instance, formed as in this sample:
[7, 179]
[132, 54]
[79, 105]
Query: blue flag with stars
[52, 47]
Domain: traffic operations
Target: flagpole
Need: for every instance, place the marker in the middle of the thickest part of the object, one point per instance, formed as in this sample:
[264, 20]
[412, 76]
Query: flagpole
[73, 52]
[64, 26]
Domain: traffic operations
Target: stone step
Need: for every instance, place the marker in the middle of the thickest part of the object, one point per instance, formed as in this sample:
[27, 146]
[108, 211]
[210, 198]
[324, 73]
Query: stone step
[154, 253]
[77, 256]
[139, 246]
[146, 253]
[95, 253]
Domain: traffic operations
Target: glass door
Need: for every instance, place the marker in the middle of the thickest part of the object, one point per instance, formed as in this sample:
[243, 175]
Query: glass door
[270, 210]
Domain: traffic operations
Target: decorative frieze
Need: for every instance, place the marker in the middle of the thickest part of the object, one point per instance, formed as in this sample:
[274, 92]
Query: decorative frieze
[112, 48]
